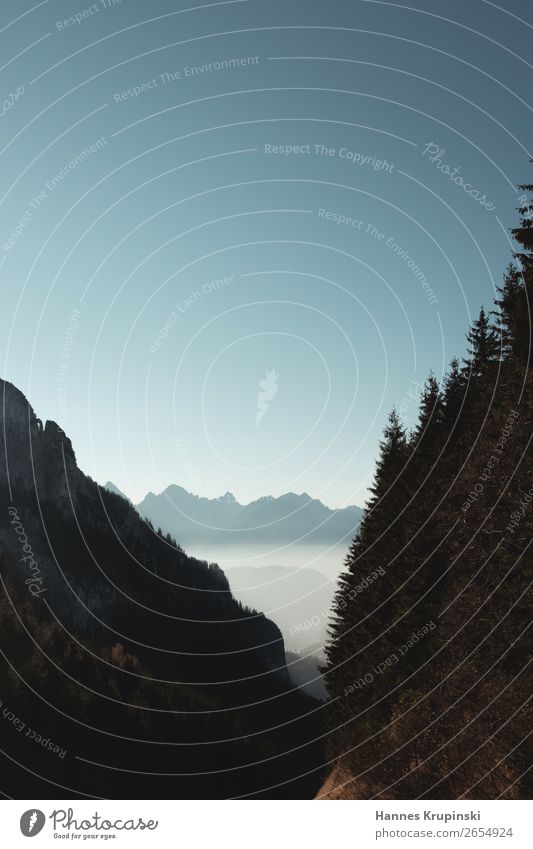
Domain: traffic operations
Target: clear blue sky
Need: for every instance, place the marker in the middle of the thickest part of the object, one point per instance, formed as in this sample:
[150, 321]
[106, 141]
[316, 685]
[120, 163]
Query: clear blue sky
[149, 189]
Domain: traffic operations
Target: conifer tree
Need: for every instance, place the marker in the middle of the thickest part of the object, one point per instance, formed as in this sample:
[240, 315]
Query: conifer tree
[508, 318]
[426, 438]
[523, 304]
[483, 346]
[454, 393]
[356, 642]
[431, 411]
[524, 233]
[392, 458]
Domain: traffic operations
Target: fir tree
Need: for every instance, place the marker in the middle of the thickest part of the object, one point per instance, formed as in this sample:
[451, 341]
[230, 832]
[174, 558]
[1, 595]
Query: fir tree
[392, 459]
[431, 411]
[524, 233]
[483, 346]
[523, 304]
[508, 312]
[454, 393]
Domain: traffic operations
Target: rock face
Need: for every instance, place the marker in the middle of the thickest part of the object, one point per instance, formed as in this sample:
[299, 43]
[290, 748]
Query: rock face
[34, 458]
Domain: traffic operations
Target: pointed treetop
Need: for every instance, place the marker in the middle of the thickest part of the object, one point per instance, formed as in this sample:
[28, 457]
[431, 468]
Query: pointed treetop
[430, 406]
[524, 233]
[483, 345]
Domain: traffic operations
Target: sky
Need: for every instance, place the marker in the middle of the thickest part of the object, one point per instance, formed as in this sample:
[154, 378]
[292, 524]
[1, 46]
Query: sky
[235, 234]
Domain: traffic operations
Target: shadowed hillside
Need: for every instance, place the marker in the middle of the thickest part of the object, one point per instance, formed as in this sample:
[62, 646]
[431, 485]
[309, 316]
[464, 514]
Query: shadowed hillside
[131, 659]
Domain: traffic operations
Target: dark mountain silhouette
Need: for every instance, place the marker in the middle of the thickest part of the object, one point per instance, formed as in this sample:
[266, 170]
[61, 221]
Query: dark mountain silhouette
[112, 488]
[428, 666]
[125, 652]
[291, 518]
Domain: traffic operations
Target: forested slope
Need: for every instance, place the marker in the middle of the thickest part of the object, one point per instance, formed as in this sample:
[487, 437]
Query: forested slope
[429, 665]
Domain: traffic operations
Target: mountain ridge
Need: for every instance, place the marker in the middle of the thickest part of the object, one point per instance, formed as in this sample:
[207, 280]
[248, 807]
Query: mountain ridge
[288, 518]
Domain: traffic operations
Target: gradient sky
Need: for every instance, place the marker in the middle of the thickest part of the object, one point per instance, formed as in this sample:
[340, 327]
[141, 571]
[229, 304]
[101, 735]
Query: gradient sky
[181, 218]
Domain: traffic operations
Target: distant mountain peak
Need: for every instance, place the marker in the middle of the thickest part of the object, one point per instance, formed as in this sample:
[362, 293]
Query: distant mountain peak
[294, 496]
[228, 498]
[175, 487]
